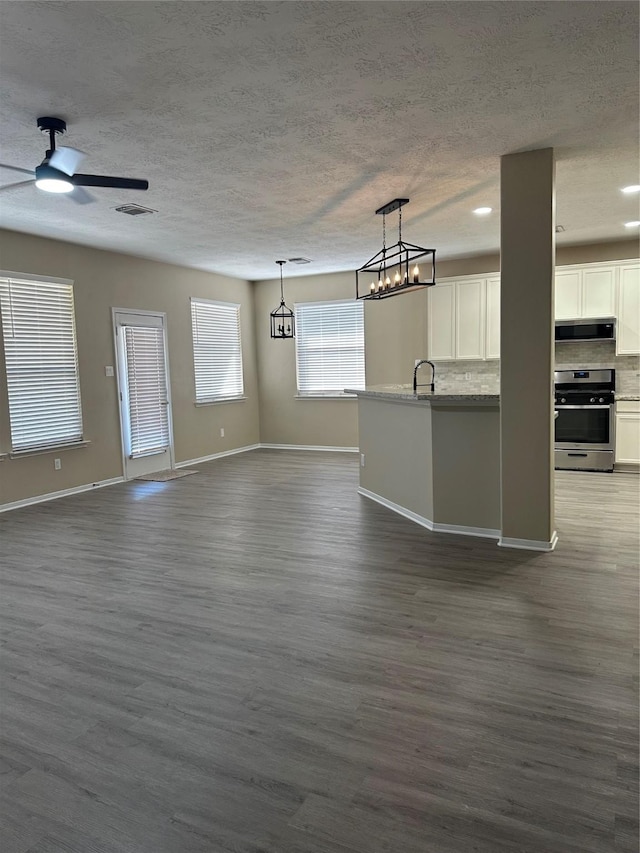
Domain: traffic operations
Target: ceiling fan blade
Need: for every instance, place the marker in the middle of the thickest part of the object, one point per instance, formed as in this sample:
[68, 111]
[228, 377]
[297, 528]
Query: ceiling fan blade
[105, 181]
[66, 160]
[18, 184]
[81, 196]
[17, 169]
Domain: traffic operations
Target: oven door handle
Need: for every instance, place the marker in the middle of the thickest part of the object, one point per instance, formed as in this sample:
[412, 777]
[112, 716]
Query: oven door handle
[561, 406]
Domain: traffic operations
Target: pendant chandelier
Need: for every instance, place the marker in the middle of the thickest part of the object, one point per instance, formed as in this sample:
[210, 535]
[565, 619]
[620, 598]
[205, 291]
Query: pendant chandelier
[282, 319]
[400, 268]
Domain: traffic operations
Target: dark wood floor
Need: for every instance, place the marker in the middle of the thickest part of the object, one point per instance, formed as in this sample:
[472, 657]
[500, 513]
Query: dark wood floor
[255, 659]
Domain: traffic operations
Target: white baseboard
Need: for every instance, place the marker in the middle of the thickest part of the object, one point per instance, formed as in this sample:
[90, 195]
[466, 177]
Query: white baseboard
[626, 468]
[529, 544]
[188, 462]
[52, 496]
[310, 447]
[434, 526]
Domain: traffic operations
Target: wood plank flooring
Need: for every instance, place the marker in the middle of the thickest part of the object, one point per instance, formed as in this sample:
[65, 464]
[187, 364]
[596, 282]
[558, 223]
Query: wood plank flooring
[255, 659]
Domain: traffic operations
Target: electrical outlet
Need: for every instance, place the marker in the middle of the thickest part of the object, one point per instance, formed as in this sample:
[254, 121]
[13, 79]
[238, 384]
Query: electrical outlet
[362, 460]
[108, 371]
[57, 464]
[417, 362]
[221, 432]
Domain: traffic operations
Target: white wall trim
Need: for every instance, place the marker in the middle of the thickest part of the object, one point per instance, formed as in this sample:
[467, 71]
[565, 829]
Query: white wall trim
[433, 526]
[310, 447]
[530, 544]
[186, 463]
[51, 496]
[626, 467]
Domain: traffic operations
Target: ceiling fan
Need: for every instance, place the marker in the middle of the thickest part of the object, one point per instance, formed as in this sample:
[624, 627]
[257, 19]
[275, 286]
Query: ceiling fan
[57, 172]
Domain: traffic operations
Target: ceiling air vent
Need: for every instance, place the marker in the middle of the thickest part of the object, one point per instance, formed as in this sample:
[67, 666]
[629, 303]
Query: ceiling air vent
[299, 261]
[134, 209]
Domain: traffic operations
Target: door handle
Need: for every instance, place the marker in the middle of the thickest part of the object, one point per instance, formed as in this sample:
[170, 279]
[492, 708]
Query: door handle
[577, 454]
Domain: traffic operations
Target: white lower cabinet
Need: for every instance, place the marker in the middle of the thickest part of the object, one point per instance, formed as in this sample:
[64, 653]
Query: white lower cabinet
[628, 432]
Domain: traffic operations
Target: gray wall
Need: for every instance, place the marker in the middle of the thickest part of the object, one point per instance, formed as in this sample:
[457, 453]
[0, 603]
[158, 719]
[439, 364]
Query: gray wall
[103, 280]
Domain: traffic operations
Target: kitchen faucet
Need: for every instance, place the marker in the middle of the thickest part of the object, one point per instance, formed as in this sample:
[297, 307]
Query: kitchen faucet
[433, 375]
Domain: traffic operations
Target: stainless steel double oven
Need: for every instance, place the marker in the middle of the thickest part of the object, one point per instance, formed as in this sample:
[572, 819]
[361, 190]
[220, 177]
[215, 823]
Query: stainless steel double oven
[585, 425]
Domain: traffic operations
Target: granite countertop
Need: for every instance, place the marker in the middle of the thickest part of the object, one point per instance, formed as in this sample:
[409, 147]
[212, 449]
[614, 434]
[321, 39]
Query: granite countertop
[406, 393]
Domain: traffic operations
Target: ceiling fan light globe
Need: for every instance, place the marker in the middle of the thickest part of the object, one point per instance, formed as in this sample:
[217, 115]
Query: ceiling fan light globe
[54, 185]
[52, 181]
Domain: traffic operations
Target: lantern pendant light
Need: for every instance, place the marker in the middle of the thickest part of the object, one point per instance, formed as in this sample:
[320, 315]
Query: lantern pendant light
[400, 268]
[282, 319]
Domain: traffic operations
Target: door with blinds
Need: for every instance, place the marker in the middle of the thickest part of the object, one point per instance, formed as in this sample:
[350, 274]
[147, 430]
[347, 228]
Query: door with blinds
[143, 385]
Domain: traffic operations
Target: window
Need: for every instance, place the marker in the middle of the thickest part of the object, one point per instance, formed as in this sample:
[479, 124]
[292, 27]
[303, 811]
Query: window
[329, 347]
[38, 327]
[217, 351]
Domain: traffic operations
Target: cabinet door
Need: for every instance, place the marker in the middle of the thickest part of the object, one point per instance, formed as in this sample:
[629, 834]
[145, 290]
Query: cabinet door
[567, 294]
[599, 292]
[492, 333]
[470, 319]
[627, 437]
[440, 343]
[628, 327]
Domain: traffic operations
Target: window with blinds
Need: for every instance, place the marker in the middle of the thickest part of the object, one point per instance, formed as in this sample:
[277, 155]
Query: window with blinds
[38, 326]
[146, 390]
[329, 347]
[217, 350]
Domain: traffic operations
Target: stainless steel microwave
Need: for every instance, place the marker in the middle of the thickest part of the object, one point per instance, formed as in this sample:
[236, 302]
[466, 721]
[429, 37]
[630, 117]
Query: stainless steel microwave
[586, 330]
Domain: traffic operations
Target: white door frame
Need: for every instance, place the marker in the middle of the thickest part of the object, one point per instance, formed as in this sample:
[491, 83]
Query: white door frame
[163, 317]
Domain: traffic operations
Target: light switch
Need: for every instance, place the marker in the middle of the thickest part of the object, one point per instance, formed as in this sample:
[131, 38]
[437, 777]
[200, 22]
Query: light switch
[108, 371]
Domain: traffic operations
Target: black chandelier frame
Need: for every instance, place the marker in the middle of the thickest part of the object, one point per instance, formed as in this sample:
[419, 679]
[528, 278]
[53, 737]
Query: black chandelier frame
[399, 261]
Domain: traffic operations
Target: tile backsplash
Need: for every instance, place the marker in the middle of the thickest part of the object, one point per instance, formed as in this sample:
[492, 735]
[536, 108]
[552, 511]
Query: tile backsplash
[484, 376]
[594, 354]
[474, 377]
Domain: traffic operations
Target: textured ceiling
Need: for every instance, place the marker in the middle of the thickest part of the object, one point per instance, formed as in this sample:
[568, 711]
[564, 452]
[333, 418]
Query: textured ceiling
[274, 129]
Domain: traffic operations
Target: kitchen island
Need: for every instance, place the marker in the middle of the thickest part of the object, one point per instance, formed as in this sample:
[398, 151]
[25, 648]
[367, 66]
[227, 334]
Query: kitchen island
[432, 457]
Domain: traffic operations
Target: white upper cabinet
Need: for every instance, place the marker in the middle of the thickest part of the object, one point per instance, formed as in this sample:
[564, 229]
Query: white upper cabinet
[441, 323]
[568, 284]
[599, 292]
[469, 313]
[585, 292]
[628, 325]
[464, 314]
[492, 326]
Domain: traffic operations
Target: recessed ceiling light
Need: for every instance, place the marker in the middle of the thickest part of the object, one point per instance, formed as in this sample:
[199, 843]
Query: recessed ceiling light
[633, 224]
[632, 188]
[482, 211]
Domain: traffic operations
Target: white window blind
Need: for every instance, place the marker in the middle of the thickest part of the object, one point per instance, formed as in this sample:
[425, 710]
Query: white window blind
[147, 390]
[217, 350]
[38, 327]
[329, 346]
